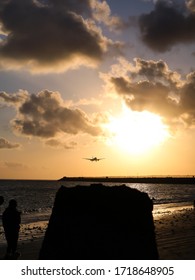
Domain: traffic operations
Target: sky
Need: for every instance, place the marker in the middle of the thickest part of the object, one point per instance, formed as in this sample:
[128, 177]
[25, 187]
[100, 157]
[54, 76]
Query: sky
[90, 78]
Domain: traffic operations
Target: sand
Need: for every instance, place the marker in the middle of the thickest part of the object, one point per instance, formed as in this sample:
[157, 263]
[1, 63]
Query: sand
[175, 236]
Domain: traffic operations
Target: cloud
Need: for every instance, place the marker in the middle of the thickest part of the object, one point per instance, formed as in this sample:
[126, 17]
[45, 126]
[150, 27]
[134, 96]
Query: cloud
[14, 98]
[168, 24]
[45, 115]
[52, 35]
[5, 144]
[15, 165]
[56, 143]
[102, 14]
[151, 86]
[191, 5]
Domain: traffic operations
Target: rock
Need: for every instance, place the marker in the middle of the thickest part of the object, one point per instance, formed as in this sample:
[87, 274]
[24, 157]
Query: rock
[100, 222]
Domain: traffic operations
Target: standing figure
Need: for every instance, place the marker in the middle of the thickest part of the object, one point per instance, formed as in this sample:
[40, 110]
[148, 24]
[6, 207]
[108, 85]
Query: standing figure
[11, 224]
[1, 199]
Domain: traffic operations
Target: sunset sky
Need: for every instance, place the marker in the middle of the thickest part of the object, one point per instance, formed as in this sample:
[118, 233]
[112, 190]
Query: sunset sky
[84, 78]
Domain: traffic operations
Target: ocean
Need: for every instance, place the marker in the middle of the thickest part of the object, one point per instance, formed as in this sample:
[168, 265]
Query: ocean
[36, 197]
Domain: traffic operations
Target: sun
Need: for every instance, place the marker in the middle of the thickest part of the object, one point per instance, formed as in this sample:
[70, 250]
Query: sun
[136, 132]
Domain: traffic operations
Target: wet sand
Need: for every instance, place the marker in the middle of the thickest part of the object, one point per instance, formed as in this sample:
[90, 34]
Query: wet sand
[175, 236]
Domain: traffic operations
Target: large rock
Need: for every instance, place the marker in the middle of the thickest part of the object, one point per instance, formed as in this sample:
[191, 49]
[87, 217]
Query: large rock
[99, 222]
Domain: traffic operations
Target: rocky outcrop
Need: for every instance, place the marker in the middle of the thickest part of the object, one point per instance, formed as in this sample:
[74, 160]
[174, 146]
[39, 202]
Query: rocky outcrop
[100, 222]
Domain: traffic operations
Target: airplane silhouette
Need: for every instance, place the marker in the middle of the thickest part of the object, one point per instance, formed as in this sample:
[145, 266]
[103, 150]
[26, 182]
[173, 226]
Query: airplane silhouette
[94, 159]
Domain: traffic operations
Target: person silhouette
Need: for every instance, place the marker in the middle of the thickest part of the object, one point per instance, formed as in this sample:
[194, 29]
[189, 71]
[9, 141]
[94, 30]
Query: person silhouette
[11, 223]
[1, 199]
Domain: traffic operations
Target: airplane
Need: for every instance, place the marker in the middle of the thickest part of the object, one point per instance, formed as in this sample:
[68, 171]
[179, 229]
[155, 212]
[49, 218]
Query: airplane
[94, 159]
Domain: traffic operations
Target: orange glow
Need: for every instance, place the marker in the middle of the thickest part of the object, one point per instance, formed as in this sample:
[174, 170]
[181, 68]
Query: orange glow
[136, 132]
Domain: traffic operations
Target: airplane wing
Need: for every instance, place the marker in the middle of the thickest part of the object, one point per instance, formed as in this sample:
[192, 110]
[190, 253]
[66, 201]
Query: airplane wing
[94, 159]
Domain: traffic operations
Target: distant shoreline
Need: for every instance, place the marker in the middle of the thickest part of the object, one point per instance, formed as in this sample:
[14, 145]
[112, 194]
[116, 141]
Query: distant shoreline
[147, 180]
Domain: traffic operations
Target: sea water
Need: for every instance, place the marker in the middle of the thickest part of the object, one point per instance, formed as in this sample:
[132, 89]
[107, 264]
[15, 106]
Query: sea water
[35, 198]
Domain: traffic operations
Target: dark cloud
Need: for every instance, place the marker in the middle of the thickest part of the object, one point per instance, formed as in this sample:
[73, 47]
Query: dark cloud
[50, 33]
[45, 115]
[152, 86]
[5, 144]
[156, 71]
[168, 24]
[80, 7]
[14, 98]
[187, 99]
[147, 96]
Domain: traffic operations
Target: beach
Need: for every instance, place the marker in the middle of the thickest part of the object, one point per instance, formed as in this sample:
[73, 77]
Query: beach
[175, 236]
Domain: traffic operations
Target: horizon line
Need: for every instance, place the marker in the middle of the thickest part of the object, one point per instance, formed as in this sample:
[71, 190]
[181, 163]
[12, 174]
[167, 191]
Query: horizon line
[104, 177]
